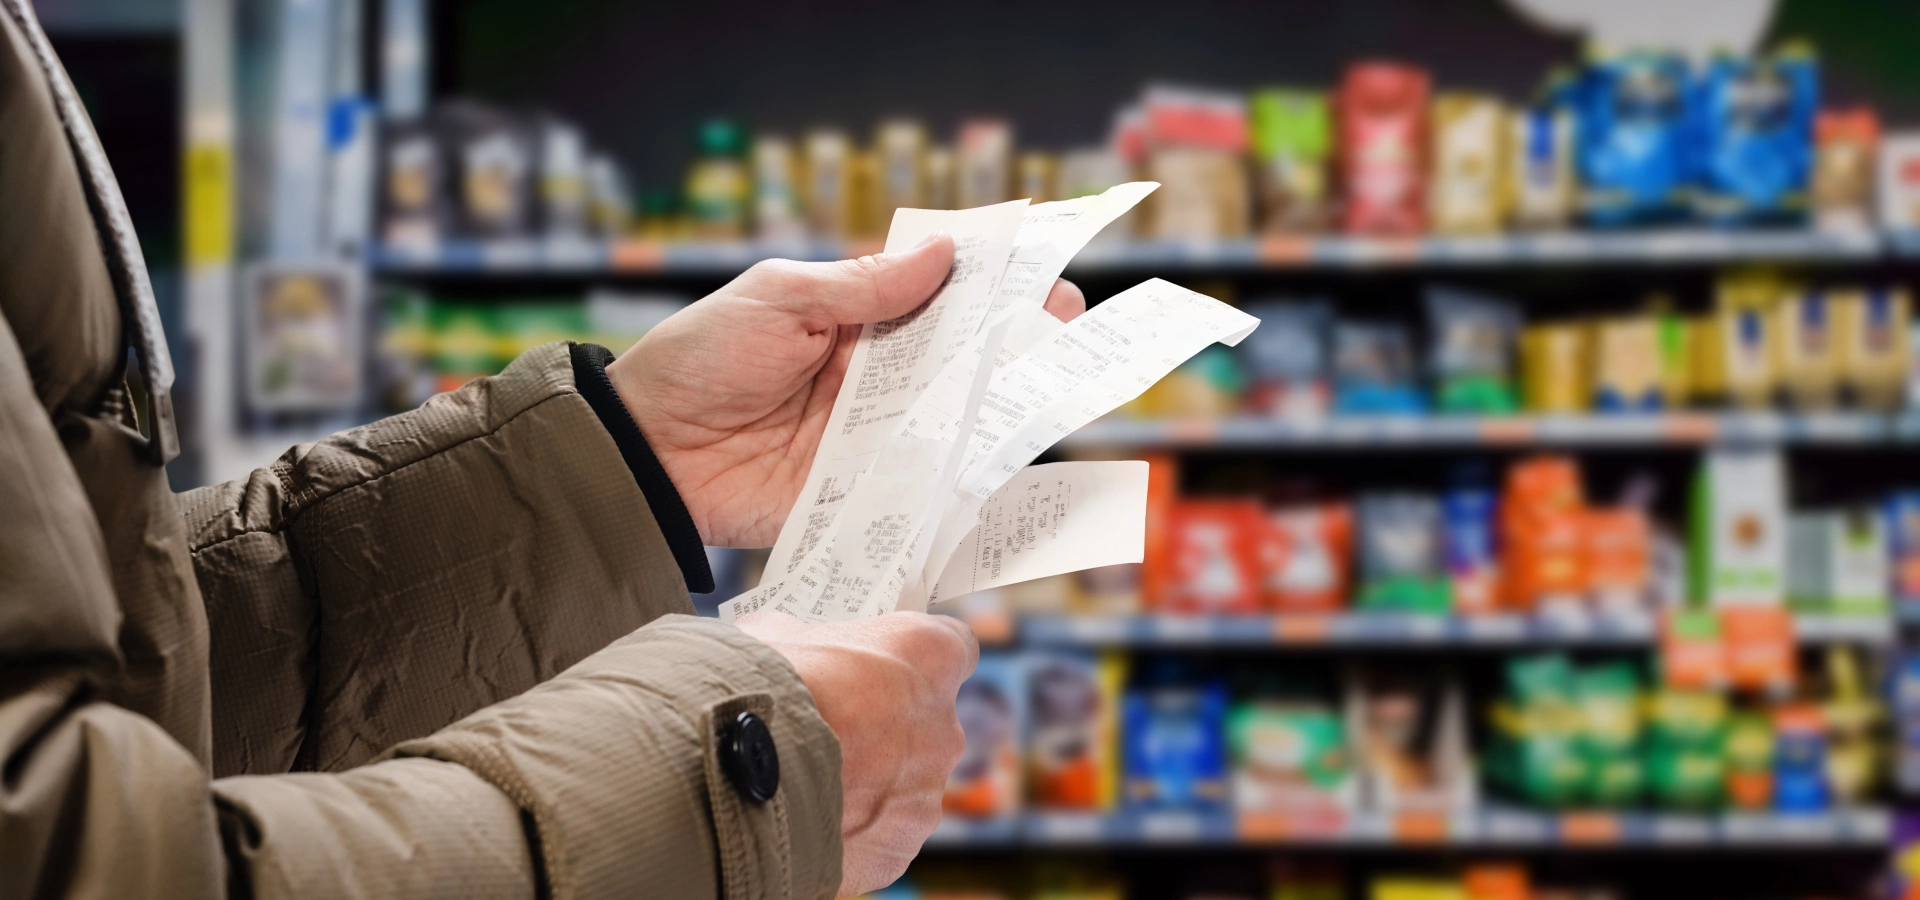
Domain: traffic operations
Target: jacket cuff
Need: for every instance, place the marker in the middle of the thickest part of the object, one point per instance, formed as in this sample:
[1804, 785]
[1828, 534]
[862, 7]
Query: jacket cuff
[590, 379]
[616, 762]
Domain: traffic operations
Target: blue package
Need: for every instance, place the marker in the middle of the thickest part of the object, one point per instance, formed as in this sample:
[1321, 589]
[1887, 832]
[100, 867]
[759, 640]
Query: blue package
[1903, 544]
[1799, 765]
[1752, 137]
[1467, 522]
[1175, 746]
[1373, 370]
[1630, 148]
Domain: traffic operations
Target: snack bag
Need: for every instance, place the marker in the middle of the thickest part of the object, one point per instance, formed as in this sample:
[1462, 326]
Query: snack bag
[1632, 157]
[1873, 357]
[1618, 557]
[1292, 142]
[1467, 192]
[1686, 763]
[1304, 557]
[1542, 535]
[493, 162]
[1288, 755]
[1846, 141]
[1196, 144]
[1176, 752]
[1472, 559]
[1749, 747]
[1810, 351]
[1800, 759]
[1073, 701]
[1401, 562]
[1286, 359]
[1373, 369]
[1472, 352]
[1608, 696]
[1216, 557]
[1755, 138]
[1539, 156]
[1382, 110]
[992, 709]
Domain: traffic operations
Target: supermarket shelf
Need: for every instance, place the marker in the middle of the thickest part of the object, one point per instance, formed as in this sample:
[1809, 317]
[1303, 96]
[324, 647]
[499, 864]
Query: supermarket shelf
[1504, 828]
[1378, 629]
[531, 257]
[1636, 429]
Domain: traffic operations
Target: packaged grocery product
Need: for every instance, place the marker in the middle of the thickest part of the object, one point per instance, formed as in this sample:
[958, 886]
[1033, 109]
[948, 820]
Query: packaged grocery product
[1902, 513]
[1497, 881]
[1845, 143]
[1686, 762]
[1906, 699]
[1740, 541]
[1289, 755]
[1608, 697]
[1754, 142]
[1036, 177]
[1410, 739]
[1554, 368]
[1874, 353]
[1373, 369]
[1627, 364]
[1618, 557]
[1466, 193]
[1471, 355]
[1631, 137]
[1401, 563]
[992, 709]
[1800, 759]
[1196, 142]
[1536, 752]
[1304, 555]
[1810, 353]
[1749, 753]
[1472, 555]
[609, 198]
[863, 196]
[1542, 535]
[1286, 359]
[1074, 709]
[983, 157]
[719, 187]
[1677, 388]
[940, 179]
[1208, 385]
[1404, 888]
[1292, 145]
[493, 160]
[303, 327]
[1158, 570]
[900, 145]
[1900, 180]
[563, 179]
[1381, 113]
[829, 189]
[1175, 740]
[776, 195]
[415, 205]
[1748, 336]
[1539, 157]
[1216, 557]
[1853, 715]
[1838, 561]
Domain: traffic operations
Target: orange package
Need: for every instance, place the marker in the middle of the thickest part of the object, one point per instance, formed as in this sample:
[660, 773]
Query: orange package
[1163, 493]
[1618, 556]
[1215, 554]
[1305, 557]
[1497, 881]
[1542, 533]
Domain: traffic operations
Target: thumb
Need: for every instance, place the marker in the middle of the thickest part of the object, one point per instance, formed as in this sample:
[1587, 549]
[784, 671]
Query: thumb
[869, 289]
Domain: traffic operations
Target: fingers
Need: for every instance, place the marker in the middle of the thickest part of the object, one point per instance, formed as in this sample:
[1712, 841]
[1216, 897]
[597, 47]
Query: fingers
[855, 291]
[944, 647]
[1065, 301]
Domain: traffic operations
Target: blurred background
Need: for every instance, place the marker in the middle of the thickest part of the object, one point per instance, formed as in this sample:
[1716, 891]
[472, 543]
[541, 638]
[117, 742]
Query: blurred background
[1552, 538]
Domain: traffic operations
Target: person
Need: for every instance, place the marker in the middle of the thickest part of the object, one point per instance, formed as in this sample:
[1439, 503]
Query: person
[447, 654]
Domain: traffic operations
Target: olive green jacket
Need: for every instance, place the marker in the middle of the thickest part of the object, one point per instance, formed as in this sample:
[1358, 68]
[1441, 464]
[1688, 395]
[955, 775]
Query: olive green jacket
[442, 655]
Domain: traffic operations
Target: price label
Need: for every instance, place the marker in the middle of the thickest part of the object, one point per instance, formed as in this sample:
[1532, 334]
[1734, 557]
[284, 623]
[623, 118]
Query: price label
[1302, 629]
[1419, 827]
[637, 256]
[1590, 828]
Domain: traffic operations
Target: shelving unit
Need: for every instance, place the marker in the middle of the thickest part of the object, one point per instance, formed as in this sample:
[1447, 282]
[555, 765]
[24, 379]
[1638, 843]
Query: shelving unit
[1383, 630]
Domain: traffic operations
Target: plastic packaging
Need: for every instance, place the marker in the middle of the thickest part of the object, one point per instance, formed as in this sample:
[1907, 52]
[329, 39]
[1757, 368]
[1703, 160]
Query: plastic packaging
[1286, 359]
[1176, 753]
[1382, 123]
[1467, 193]
[1754, 138]
[992, 709]
[1402, 566]
[1632, 139]
[1472, 355]
[1292, 134]
[1373, 369]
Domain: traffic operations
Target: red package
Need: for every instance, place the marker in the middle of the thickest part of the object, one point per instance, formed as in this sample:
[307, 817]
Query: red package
[1618, 556]
[1163, 494]
[1305, 557]
[1381, 113]
[1216, 557]
[1543, 547]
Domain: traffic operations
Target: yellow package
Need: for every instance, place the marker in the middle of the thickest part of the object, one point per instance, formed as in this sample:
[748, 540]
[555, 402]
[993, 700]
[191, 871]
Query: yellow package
[1708, 378]
[828, 188]
[1808, 324]
[1035, 177]
[1554, 366]
[940, 178]
[1748, 338]
[1874, 350]
[1627, 364]
[863, 189]
[900, 150]
[1405, 888]
[1467, 192]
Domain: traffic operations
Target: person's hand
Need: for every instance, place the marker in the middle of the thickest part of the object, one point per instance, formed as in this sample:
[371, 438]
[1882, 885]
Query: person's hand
[733, 392]
[886, 686]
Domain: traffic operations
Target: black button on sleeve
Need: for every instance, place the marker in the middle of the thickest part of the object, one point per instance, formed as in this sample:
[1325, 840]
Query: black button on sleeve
[749, 757]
